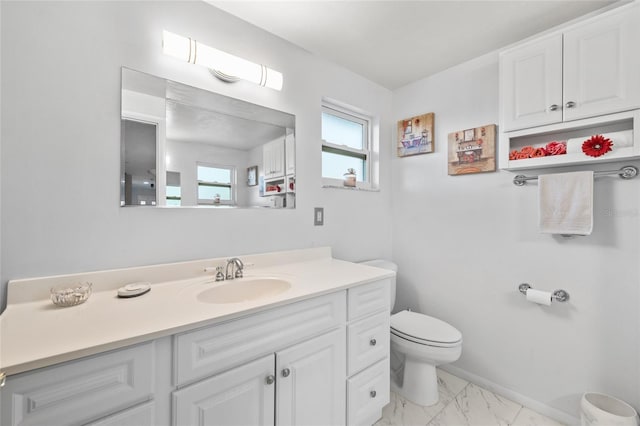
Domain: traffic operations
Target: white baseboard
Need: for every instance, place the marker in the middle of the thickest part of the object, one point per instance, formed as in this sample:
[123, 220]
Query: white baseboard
[537, 406]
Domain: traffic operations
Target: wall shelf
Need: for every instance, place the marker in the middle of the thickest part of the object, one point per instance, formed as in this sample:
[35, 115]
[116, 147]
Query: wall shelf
[539, 136]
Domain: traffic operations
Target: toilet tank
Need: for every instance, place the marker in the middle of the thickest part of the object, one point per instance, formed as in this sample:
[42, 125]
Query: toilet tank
[386, 264]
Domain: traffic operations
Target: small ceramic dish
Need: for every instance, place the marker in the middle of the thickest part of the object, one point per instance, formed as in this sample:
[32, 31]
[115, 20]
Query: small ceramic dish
[71, 296]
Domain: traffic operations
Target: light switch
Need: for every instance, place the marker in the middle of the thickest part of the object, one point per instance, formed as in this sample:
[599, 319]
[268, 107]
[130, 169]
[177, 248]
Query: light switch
[318, 216]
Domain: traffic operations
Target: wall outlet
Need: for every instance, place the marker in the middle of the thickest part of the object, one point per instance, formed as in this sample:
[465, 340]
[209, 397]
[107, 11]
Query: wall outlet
[318, 216]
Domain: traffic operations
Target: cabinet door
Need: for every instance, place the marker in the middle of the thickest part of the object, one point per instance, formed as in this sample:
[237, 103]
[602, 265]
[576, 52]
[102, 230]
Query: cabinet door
[311, 381]
[531, 84]
[290, 153]
[141, 415]
[602, 65]
[241, 396]
[273, 159]
[80, 391]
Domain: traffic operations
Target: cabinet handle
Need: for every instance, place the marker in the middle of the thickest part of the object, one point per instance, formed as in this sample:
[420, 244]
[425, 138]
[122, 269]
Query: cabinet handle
[372, 394]
[570, 104]
[372, 342]
[3, 378]
[286, 372]
[270, 379]
[553, 107]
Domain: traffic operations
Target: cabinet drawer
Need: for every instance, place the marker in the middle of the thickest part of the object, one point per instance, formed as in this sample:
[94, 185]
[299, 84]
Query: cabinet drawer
[369, 298]
[368, 341]
[368, 393]
[213, 349]
[80, 391]
[142, 415]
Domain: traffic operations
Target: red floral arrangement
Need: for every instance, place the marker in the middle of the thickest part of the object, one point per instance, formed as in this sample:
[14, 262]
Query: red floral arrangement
[552, 148]
[596, 146]
[556, 148]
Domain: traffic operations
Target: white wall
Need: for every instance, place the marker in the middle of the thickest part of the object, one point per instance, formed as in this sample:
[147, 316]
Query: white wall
[61, 142]
[464, 243]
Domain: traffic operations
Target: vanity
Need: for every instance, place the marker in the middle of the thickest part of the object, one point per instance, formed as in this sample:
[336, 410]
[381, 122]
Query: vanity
[302, 338]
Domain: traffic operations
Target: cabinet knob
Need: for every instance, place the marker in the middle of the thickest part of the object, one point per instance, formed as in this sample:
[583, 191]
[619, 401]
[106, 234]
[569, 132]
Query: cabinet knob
[3, 378]
[270, 379]
[286, 372]
[553, 107]
[372, 394]
[372, 342]
[570, 104]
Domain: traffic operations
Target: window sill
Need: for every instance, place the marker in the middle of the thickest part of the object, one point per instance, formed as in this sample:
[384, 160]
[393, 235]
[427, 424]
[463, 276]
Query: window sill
[350, 188]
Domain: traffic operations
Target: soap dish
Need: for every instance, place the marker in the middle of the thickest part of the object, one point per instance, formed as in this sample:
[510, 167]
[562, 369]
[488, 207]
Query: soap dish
[134, 289]
[71, 296]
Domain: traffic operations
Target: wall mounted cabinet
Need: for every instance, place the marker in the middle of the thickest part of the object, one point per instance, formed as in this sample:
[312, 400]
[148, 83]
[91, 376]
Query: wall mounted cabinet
[586, 70]
[572, 84]
[274, 159]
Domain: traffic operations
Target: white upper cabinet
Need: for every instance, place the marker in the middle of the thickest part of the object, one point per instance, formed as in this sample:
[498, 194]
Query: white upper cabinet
[531, 84]
[602, 66]
[273, 158]
[587, 70]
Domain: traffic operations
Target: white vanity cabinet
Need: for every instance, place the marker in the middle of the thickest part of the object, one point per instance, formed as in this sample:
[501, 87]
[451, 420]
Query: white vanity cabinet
[285, 365]
[368, 386]
[83, 391]
[300, 385]
[586, 70]
[322, 360]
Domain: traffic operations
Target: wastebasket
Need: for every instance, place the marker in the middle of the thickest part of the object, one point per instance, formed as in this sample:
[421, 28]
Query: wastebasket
[597, 409]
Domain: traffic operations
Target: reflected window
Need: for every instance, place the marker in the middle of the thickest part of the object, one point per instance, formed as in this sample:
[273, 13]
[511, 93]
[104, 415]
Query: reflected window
[345, 144]
[216, 184]
[173, 190]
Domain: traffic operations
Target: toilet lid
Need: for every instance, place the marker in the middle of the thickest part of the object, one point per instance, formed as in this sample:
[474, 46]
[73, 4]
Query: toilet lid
[418, 326]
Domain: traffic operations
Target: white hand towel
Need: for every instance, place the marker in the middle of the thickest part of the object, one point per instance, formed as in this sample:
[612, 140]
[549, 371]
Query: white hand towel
[566, 203]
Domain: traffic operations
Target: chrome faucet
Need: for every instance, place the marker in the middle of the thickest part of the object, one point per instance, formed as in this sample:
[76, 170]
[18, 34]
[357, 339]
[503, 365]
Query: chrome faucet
[234, 261]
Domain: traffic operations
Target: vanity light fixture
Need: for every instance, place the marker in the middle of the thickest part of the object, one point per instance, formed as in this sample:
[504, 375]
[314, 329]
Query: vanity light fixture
[223, 65]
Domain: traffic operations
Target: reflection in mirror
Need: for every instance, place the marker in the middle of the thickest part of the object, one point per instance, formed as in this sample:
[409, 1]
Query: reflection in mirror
[184, 146]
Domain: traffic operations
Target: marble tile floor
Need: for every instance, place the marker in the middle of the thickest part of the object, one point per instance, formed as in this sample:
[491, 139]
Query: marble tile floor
[461, 404]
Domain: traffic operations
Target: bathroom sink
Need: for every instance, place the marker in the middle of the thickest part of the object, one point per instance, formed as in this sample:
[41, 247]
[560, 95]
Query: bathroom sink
[244, 290]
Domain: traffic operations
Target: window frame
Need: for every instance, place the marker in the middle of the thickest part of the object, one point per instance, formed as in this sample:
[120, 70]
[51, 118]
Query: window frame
[365, 153]
[232, 185]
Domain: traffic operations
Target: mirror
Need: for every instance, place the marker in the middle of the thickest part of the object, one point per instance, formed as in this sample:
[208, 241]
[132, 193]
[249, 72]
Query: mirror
[183, 146]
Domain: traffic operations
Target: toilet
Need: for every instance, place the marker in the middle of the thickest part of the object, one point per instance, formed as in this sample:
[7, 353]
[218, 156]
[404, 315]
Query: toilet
[421, 343]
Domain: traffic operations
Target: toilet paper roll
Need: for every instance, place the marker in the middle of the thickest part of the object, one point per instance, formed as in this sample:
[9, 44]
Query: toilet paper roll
[539, 297]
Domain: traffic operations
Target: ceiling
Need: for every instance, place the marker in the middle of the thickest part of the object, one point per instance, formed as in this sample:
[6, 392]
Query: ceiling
[394, 43]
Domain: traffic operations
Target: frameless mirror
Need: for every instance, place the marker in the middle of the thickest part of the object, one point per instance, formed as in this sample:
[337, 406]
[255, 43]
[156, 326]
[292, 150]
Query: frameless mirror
[185, 146]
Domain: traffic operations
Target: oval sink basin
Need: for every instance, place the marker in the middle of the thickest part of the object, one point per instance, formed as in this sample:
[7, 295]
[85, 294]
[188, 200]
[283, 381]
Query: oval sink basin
[244, 290]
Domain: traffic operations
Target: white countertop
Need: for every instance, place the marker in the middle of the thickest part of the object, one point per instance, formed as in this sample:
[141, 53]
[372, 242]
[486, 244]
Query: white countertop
[35, 333]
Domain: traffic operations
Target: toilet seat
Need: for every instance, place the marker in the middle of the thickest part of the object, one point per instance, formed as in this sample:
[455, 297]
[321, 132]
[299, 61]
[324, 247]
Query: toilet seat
[424, 330]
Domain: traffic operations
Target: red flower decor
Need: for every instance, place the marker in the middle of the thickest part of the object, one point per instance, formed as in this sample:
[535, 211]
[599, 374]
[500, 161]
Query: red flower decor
[538, 152]
[596, 146]
[552, 148]
[556, 148]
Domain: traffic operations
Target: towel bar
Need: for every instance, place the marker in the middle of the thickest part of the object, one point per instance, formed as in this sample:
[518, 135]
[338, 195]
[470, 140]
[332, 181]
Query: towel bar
[627, 172]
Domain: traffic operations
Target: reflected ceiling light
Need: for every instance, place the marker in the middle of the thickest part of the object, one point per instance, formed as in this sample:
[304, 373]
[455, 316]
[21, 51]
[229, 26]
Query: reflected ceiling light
[222, 63]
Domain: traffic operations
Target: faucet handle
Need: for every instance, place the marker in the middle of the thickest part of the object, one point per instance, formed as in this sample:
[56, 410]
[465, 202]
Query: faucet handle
[238, 273]
[219, 273]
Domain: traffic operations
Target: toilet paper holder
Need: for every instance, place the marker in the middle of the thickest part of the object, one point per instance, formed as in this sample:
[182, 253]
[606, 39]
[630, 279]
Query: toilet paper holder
[557, 295]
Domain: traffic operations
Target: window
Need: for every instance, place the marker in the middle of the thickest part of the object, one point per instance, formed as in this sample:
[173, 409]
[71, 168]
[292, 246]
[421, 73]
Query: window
[216, 184]
[173, 192]
[345, 145]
